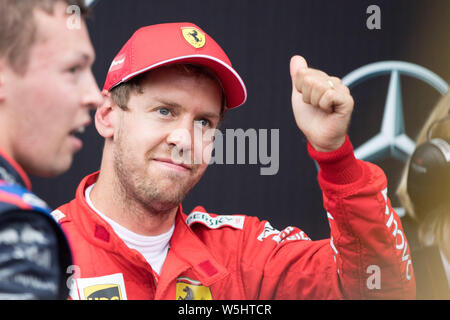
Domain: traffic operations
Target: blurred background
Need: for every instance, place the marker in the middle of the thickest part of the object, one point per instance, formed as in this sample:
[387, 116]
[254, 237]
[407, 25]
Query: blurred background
[260, 36]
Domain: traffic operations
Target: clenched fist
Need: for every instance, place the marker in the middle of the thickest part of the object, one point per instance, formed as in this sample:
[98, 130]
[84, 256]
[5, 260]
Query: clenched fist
[322, 105]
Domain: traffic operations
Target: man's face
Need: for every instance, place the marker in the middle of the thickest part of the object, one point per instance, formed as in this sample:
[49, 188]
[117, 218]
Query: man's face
[164, 125]
[51, 101]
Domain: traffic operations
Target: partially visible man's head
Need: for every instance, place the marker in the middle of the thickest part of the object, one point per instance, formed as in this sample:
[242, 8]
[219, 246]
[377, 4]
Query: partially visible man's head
[47, 88]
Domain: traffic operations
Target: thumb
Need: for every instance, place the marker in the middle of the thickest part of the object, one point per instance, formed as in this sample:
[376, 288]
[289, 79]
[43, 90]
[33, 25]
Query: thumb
[297, 63]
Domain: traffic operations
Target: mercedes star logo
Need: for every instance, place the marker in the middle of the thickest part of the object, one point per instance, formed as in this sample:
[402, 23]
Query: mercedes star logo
[392, 140]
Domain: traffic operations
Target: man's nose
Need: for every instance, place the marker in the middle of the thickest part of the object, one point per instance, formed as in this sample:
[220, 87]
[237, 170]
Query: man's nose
[92, 97]
[181, 138]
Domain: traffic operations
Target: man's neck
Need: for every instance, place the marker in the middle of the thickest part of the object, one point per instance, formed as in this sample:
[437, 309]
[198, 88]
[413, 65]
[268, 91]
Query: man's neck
[107, 197]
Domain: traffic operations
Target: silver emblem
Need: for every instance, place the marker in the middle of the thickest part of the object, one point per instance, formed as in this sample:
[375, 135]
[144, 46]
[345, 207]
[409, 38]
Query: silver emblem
[392, 140]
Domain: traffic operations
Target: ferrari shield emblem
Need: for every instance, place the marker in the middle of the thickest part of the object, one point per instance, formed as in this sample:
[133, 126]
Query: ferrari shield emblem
[188, 289]
[194, 37]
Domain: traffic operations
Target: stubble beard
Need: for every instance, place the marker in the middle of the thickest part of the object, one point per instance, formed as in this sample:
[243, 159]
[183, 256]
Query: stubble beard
[156, 194]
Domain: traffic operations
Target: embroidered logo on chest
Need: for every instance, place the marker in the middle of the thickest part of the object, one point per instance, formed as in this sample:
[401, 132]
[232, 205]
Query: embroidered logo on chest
[188, 289]
[219, 221]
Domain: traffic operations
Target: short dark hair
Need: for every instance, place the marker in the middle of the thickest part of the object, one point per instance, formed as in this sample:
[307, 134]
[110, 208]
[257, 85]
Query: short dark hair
[18, 28]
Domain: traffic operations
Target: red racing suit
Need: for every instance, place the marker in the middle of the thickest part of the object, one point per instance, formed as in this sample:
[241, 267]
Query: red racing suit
[240, 257]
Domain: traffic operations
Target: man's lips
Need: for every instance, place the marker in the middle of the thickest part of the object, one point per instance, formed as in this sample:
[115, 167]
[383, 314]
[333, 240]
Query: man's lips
[169, 162]
[80, 127]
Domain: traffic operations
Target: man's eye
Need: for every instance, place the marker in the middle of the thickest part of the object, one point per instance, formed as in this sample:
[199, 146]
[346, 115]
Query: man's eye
[204, 122]
[74, 69]
[164, 111]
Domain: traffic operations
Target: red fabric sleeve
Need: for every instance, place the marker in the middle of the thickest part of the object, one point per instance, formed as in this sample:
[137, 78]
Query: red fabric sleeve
[339, 166]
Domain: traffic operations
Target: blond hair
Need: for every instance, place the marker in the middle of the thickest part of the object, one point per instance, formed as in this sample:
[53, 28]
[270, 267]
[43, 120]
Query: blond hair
[435, 227]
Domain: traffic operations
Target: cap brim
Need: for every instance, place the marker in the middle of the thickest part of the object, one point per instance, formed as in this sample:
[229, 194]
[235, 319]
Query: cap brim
[233, 85]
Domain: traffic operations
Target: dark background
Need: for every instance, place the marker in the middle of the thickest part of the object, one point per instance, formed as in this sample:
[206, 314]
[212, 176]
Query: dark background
[260, 36]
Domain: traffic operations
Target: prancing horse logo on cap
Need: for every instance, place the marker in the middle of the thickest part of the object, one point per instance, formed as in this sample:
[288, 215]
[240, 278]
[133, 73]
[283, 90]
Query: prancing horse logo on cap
[194, 37]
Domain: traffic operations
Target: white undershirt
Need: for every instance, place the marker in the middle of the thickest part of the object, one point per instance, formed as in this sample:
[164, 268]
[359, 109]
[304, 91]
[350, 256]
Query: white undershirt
[153, 248]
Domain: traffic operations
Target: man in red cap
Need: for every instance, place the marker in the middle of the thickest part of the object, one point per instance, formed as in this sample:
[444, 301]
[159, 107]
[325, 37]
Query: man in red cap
[129, 235]
[46, 93]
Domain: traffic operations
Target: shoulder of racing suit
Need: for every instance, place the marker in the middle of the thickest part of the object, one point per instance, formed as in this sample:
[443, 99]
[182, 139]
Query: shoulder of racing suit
[30, 236]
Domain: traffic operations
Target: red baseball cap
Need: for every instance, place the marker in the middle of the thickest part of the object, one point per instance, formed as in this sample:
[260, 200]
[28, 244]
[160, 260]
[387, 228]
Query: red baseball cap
[169, 43]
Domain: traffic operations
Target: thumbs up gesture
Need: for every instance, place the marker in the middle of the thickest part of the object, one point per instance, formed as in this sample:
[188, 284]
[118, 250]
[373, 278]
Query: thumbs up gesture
[322, 105]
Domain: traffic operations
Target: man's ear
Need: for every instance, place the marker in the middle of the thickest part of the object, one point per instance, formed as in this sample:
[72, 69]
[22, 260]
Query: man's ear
[105, 116]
